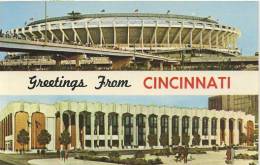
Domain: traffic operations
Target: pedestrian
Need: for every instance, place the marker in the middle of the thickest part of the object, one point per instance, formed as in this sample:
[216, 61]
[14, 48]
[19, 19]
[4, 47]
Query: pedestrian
[228, 154]
[232, 155]
[186, 152]
[67, 155]
[63, 155]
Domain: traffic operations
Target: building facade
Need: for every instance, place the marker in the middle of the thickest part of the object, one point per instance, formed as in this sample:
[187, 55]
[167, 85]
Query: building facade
[245, 103]
[135, 31]
[94, 125]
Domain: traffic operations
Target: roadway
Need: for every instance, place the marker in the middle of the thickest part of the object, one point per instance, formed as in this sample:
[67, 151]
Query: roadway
[18, 45]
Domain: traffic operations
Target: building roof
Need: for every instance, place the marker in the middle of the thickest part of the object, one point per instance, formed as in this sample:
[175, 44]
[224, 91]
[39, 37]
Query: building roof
[104, 15]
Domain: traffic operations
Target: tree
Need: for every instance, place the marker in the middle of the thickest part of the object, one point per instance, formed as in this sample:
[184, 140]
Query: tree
[44, 137]
[176, 139]
[185, 139]
[152, 140]
[65, 138]
[23, 137]
[164, 140]
[196, 139]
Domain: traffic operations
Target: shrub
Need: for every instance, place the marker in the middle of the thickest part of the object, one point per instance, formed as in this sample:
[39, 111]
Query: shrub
[176, 139]
[43, 152]
[154, 161]
[197, 151]
[152, 140]
[139, 154]
[114, 154]
[164, 140]
[185, 139]
[133, 161]
[196, 139]
[93, 153]
[246, 156]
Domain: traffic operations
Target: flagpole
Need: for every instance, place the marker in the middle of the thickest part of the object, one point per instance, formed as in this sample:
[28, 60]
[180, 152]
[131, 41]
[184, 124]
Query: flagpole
[45, 4]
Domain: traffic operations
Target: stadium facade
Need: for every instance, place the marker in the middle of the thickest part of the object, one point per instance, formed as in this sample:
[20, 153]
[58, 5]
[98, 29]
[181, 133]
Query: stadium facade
[155, 42]
[94, 125]
[139, 31]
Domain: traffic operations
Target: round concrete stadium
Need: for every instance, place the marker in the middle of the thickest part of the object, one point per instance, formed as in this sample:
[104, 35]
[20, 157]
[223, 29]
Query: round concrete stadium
[94, 125]
[135, 31]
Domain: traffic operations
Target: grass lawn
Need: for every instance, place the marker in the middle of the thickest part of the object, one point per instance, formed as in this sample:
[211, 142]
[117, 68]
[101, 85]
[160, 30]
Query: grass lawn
[15, 159]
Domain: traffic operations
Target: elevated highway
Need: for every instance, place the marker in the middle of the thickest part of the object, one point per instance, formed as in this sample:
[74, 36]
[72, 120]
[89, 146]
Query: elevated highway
[118, 57]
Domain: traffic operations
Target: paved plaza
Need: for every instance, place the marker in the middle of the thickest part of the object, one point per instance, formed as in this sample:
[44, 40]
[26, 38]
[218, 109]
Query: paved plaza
[216, 158]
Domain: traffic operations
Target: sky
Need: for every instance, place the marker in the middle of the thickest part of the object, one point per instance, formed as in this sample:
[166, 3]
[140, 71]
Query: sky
[178, 101]
[240, 14]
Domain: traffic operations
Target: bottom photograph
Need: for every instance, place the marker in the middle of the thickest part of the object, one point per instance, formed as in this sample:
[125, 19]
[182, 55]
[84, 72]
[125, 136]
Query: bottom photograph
[134, 130]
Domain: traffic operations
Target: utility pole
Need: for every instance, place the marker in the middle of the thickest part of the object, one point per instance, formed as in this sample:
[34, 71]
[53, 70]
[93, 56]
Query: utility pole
[45, 5]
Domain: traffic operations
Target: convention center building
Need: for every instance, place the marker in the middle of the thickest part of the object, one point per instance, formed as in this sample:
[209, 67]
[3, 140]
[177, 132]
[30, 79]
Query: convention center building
[95, 125]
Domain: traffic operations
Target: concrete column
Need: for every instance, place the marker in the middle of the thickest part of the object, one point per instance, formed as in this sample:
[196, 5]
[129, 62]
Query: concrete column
[172, 66]
[84, 130]
[217, 42]
[149, 66]
[13, 130]
[180, 38]
[92, 118]
[201, 39]
[210, 33]
[161, 66]
[170, 130]
[236, 132]
[135, 133]
[209, 131]
[191, 37]
[200, 129]
[227, 132]
[147, 130]
[98, 135]
[69, 129]
[218, 131]
[123, 134]
[50, 126]
[158, 130]
[180, 129]
[110, 131]
[106, 131]
[77, 130]
[119, 120]
[61, 126]
[190, 130]
[30, 131]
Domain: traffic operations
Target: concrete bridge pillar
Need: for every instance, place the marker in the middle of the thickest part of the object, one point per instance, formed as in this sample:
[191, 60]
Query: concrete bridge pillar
[149, 65]
[172, 66]
[161, 66]
[119, 63]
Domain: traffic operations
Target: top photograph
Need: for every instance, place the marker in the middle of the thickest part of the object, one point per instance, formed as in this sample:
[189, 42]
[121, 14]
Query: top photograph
[128, 36]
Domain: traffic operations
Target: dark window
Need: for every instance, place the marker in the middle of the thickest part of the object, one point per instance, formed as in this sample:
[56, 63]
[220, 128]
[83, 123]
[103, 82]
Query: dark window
[214, 126]
[205, 126]
[152, 124]
[140, 120]
[164, 125]
[195, 125]
[175, 125]
[88, 123]
[185, 124]
[127, 121]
